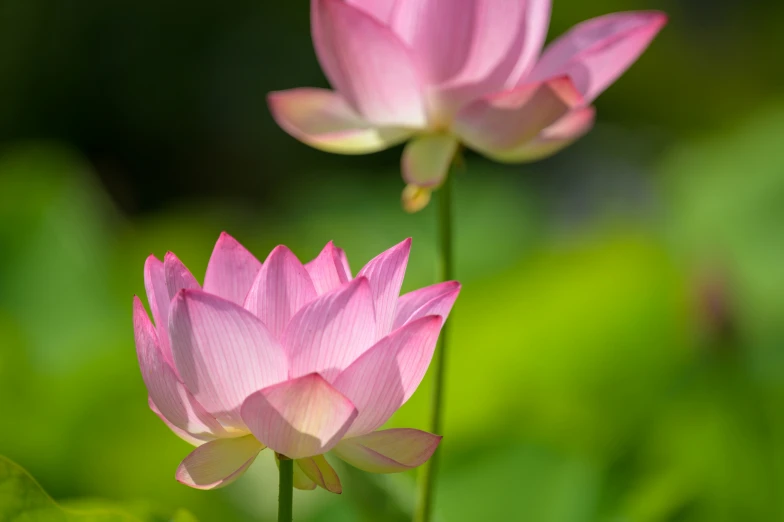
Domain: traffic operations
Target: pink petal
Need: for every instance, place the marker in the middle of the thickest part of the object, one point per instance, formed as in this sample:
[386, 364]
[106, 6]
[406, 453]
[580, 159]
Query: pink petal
[329, 269]
[158, 298]
[320, 472]
[388, 451]
[385, 273]
[172, 400]
[218, 463]
[507, 39]
[223, 353]
[507, 120]
[432, 300]
[426, 159]
[328, 334]
[323, 120]
[380, 9]
[596, 52]
[343, 266]
[184, 435]
[299, 418]
[440, 31]
[534, 31]
[554, 138]
[177, 275]
[495, 47]
[282, 287]
[367, 64]
[380, 381]
[231, 270]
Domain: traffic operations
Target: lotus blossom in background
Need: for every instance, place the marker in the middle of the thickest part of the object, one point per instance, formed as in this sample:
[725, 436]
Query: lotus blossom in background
[444, 72]
[303, 359]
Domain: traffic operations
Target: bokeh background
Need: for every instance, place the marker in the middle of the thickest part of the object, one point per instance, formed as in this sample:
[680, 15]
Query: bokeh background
[619, 343]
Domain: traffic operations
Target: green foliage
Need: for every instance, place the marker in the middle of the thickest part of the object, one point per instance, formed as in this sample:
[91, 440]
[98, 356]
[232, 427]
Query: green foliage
[23, 500]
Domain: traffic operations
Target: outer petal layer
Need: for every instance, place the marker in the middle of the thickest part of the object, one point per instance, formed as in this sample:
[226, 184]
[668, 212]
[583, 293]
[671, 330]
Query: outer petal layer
[330, 333]
[218, 463]
[554, 138]
[534, 32]
[329, 269]
[171, 400]
[385, 273]
[426, 159]
[323, 120]
[380, 381]
[507, 120]
[319, 471]
[223, 352]
[497, 44]
[282, 287]
[596, 52]
[432, 300]
[158, 298]
[440, 31]
[184, 435]
[388, 451]
[299, 418]
[231, 270]
[367, 64]
[380, 9]
[177, 275]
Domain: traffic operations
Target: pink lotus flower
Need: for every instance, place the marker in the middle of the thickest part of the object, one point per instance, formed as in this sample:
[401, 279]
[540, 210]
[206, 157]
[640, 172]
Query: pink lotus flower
[444, 72]
[303, 359]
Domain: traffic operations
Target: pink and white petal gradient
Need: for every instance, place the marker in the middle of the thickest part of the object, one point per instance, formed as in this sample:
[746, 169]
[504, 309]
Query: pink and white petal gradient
[231, 270]
[299, 418]
[329, 333]
[171, 399]
[554, 138]
[385, 276]
[507, 120]
[218, 463]
[420, 68]
[291, 356]
[324, 120]
[596, 52]
[374, 71]
[385, 376]
[436, 299]
[282, 287]
[177, 275]
[223, 353]
[329, 270]
[388, 451]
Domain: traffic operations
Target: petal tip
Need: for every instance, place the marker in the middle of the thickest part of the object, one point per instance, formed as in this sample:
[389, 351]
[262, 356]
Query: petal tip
[226, 237]
[280, 250]
[151, 258]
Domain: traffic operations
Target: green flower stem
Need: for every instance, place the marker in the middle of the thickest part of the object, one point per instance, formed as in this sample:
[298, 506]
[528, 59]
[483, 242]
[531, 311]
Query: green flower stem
[286, 489]
[427, 478]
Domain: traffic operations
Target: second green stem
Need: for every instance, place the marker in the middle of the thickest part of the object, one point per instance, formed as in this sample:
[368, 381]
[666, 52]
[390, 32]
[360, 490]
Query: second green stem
[427, 479]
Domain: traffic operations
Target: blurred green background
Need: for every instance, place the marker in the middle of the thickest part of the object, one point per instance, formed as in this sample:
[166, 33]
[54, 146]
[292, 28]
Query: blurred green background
[619, 342]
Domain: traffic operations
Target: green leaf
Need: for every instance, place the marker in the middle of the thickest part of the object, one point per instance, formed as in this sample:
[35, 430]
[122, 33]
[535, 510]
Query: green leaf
[22, 499]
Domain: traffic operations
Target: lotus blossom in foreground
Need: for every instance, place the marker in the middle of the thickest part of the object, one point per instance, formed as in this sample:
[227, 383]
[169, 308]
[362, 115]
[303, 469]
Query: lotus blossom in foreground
[303, 359]
[444, 72]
